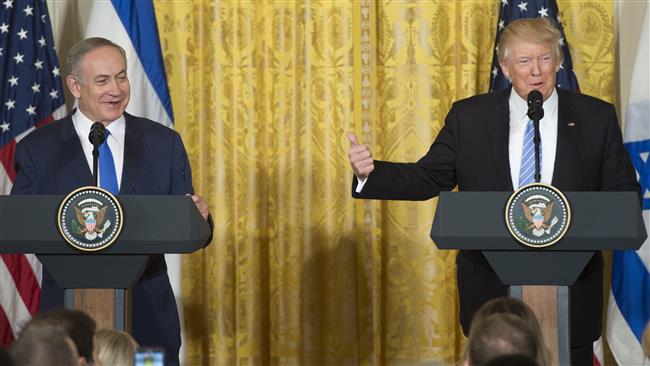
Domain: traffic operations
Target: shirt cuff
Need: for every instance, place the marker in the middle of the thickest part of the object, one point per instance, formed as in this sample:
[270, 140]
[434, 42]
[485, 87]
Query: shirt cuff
[360, 183]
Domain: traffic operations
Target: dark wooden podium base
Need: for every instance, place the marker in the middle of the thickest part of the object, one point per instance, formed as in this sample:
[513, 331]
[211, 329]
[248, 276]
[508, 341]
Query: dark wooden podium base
[551, 307]
[109, 307]
[543, 301]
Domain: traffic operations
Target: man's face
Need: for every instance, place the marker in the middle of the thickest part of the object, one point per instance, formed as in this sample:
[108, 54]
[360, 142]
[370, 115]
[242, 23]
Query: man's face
[531, 66]
[102, 88]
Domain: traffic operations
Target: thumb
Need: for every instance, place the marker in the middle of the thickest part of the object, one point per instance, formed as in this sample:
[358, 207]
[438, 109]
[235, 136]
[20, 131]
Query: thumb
[353, 139]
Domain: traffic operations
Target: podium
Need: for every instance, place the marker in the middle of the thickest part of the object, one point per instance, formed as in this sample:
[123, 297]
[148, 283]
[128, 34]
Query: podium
[152, 225]
[600, 221]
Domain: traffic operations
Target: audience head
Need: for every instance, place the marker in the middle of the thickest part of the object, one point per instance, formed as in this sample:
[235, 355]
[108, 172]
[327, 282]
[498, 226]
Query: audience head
[114, 347]
[513, 360]
[78, 325]
[44, 345]
[498, 335]
[510, 305]
[5, 359]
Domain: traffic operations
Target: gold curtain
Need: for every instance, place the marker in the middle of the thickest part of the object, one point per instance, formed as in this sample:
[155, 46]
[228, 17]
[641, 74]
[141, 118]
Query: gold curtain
[263, 93]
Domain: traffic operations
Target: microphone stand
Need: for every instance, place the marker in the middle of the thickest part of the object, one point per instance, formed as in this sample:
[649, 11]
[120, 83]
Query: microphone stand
[536, 113]
[536, 140]
[97, 136]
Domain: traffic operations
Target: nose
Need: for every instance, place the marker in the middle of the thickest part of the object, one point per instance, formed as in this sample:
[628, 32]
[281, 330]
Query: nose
[113, 87]
[535, 69]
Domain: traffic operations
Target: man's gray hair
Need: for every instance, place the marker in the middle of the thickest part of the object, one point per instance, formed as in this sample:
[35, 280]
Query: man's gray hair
[81, 48]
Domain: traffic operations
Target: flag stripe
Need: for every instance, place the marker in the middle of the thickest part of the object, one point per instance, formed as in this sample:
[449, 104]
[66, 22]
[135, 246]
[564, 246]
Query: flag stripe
[11, 302]
[636, 150]
[37, 269]
[23, 276]
[138, 18]
[621, 338]
[7, 159]
[6, 333]
[631, 289]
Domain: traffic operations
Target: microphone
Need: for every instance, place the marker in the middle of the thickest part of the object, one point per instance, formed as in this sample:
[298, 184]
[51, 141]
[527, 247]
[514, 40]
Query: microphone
[97, 136]
[535, 113]
[535, 101]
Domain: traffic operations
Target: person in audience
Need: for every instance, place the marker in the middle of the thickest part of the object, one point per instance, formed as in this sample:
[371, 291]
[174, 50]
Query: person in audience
[114, 347]
[79, 326]
[510, 305]
[44, 345]
[498, 335]
[5, 359]
[513, 360]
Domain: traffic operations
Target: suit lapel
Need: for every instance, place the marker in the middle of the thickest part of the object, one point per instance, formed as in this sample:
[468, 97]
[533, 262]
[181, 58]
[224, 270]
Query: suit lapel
[133, 156]
[566, 141]
[498, 134]
[71, 146]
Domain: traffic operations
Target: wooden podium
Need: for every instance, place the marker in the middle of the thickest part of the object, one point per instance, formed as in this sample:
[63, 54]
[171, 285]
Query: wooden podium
[600, 221]
[152, 225]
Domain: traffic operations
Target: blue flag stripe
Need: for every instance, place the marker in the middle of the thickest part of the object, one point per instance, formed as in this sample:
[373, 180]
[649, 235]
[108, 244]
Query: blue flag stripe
[631, 289]
[139, 20]
[635, 149]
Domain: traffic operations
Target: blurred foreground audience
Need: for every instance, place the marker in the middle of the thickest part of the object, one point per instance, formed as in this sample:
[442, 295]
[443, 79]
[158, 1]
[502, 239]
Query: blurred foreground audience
[44, 345]
[114, 347]
[505, 331]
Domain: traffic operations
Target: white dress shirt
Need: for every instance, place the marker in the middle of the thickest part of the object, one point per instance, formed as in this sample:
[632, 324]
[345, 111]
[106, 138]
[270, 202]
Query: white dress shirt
[518, 120]
[547, 131]
[115, 141]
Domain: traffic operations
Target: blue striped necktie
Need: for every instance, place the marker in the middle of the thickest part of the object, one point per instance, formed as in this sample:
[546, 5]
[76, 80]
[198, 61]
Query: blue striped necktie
[527, 171]
[107, 175]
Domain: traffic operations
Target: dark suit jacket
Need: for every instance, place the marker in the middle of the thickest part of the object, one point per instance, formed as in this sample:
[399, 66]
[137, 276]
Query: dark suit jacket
[471, 151]
[50, 160]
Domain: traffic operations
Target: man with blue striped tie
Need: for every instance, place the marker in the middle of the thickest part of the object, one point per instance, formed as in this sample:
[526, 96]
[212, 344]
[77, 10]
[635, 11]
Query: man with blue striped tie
[486, 145]
[139, 156]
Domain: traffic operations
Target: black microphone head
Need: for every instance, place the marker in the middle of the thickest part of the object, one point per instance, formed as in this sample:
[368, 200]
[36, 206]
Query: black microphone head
[535, 96]
[97, 134]
[535, 101]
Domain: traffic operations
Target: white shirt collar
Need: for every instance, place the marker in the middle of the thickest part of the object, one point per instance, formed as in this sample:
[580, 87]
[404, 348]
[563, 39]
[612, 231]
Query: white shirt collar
[82, 124]
[519, 106]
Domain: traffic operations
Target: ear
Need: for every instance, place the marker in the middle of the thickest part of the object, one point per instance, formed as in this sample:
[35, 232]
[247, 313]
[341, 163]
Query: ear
[73, 85]
[504, 69]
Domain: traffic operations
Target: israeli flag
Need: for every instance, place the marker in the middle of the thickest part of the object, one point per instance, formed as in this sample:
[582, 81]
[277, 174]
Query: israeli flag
[132, 25]
[629, 301]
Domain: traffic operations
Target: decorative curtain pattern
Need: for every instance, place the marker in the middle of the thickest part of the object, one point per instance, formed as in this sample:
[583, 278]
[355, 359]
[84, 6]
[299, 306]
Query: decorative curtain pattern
[263, 93]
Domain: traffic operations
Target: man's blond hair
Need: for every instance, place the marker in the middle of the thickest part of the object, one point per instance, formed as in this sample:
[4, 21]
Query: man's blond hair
[530, 30]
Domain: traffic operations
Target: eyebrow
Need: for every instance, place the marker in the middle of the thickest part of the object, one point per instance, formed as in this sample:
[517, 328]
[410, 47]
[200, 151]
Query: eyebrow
[123, 71]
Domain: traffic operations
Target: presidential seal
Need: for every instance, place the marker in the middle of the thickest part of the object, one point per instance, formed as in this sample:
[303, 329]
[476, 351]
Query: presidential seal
[90, 218]
[538, 215]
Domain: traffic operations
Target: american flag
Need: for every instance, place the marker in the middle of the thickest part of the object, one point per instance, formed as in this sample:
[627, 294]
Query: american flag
[512, 10]
[31, 96]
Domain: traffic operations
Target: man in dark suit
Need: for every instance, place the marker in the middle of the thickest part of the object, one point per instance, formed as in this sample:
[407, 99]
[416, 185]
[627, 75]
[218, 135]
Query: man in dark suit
[480, 148]
[148, 159]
